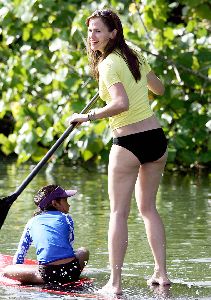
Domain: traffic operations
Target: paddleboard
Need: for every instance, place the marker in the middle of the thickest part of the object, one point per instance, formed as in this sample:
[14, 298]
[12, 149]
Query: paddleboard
[74, 289]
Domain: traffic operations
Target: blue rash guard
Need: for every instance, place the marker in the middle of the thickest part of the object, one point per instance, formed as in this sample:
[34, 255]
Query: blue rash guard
[52, 234]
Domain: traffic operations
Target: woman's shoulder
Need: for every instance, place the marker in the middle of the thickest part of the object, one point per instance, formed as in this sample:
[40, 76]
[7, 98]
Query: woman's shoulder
[112, 58]
[111, 62]
[142, 59]
[140, 54]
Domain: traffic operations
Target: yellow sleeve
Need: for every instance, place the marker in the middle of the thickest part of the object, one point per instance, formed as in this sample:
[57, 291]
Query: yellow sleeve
[109, 72]
[144, 63]
[147, 66]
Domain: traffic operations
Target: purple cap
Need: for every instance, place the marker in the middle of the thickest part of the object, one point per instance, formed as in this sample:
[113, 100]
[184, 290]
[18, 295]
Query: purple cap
[56, 194]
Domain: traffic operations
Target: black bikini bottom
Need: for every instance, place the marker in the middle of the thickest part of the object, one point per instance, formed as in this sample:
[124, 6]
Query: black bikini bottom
[147, 146]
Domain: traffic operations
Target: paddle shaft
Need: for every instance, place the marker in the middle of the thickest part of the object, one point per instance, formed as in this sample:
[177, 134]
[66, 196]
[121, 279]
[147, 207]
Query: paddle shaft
[53, 148]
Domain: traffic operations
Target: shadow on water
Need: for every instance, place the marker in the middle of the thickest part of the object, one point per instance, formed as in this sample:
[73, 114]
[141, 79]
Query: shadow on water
[184, 203]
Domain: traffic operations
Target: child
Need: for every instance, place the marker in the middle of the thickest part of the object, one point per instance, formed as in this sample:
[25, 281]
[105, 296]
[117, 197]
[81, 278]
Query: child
[52, 232]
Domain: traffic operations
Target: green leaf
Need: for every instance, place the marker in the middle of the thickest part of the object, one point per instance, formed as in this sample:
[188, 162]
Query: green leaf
[27, 31]
[203, 11]
[186, 59]
[86, 154]
[191, 25]
[39, 154]
[169, 34]
[23, 157]
[192, 3]
[48, 137]
[44, 109]
[171, 154]
[204, 55]
[3, 138]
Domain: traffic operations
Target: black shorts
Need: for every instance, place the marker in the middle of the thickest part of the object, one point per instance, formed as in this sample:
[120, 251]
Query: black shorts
[61, 274]
[147, 146]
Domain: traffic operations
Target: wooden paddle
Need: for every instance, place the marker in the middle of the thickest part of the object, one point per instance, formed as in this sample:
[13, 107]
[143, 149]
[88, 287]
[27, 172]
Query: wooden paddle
[5, 203]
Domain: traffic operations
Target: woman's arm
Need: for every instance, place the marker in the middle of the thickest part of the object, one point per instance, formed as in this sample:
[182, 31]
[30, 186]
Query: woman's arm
[119, 103]
[154, 84]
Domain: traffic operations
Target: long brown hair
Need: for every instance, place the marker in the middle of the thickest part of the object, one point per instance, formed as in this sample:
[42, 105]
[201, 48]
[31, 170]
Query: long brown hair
[112, 21]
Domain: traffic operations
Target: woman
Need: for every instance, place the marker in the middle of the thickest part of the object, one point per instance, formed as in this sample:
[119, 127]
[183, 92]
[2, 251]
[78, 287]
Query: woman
[52, 232]
[139, 151]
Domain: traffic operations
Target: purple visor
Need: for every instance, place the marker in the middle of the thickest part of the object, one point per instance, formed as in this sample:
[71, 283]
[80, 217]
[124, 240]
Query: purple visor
[56, 194]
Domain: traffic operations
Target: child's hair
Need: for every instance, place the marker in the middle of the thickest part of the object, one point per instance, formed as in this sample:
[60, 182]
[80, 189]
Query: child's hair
[41, 194]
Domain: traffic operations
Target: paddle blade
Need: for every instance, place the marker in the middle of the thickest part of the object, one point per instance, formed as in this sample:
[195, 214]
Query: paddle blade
[5, 205]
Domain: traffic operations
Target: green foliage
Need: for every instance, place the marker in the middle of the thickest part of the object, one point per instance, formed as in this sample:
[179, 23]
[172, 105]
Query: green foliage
[45, 76]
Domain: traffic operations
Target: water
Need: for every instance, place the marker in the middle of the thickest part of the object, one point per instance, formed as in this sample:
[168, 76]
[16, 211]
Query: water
[184, 202]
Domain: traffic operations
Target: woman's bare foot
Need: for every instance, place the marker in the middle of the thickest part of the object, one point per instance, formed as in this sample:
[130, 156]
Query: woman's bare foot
[111, 289]
[158, 278]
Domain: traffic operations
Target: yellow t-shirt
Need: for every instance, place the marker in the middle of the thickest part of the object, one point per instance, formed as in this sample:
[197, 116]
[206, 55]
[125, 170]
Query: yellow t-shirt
[114, 69]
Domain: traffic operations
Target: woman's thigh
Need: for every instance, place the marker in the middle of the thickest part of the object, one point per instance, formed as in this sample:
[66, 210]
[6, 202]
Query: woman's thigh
[122, 174]
[148, 181]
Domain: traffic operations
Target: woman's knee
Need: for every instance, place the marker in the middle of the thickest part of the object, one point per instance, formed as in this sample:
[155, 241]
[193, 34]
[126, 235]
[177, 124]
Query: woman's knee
[147, 208]
[119, 215]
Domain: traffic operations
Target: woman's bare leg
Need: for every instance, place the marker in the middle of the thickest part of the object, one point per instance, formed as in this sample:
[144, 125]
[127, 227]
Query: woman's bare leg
[23, 273]
[122, 174]
[146, 190]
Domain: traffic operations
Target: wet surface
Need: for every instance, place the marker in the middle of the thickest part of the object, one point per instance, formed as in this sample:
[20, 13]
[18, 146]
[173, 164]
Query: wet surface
[184, 203]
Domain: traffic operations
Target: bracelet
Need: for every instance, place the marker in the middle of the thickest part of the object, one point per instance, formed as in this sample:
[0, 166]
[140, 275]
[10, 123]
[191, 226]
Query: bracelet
[91, 116]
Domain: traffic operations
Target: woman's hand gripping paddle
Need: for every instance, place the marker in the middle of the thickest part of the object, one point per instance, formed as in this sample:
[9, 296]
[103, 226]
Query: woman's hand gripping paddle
[5, 203]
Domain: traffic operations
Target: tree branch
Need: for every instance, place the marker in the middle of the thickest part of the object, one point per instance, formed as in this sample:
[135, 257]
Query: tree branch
[178, 65]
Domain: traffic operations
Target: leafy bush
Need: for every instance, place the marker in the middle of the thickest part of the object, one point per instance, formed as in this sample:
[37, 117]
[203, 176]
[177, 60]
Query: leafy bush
[45, 76]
